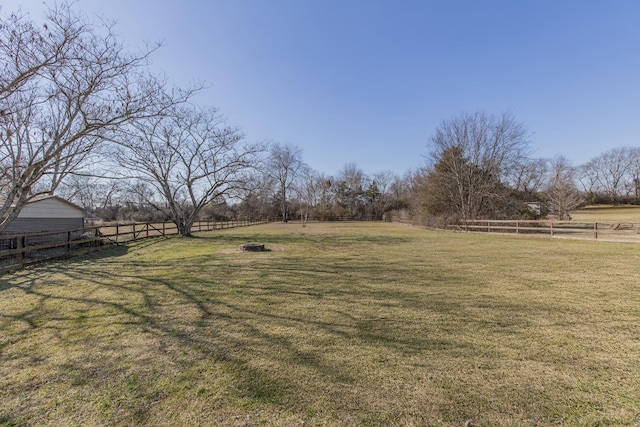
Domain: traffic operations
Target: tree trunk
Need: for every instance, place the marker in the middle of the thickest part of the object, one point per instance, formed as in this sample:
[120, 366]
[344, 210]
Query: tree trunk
[184, 228]
[283, 191]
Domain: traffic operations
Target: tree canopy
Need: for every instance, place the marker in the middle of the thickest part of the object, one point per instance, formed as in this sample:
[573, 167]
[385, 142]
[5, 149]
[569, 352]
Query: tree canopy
[65, 87]
[472, 156]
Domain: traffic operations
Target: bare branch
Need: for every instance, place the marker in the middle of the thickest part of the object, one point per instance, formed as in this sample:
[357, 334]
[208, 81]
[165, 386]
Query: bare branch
[65, 88]
[189, 157]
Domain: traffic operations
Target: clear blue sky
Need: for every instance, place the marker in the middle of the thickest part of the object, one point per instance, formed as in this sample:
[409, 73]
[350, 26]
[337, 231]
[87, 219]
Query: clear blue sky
[368, 81]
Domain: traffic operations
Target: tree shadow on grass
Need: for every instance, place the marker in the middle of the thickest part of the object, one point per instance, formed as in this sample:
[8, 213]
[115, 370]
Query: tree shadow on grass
[75, 319]
[125, 341]
[48, 267]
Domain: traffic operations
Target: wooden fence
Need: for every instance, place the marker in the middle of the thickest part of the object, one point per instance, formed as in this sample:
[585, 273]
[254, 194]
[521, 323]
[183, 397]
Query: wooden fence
[17, 251]
[614, 231]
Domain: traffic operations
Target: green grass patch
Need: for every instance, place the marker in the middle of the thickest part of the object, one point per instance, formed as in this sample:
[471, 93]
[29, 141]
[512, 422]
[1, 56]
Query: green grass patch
[337, 324]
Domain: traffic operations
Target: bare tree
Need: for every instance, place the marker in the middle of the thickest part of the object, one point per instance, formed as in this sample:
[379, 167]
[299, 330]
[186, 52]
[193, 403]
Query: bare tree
[634, 173]
[307, 192]
[65, 87]
[563, 196]
[315, 192]
[529, 176]
[472, 157]
[283, 166]
[93, 193]
[399, 192]
[189, 157]
[589, 176]
[255, 198]
[383, 200]
[611, 173]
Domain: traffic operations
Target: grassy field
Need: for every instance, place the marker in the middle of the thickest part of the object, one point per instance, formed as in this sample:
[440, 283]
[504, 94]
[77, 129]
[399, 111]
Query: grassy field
[606, 213]
[338, 324]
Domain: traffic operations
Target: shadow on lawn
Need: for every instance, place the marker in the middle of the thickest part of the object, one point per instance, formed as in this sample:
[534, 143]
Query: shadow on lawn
[87, 345]
[124, 342]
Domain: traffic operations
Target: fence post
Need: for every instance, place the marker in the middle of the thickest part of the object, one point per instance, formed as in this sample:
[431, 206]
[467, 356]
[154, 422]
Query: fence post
[148, 229]
[488, 226]
[21, 243]
[117, 232]
[595, 230]
[551, 228]
[517, 227]
[68, 242]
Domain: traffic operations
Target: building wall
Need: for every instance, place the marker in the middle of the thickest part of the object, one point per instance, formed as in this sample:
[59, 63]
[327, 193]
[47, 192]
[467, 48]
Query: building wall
[50, 214]
[50, 208]
[34, 225]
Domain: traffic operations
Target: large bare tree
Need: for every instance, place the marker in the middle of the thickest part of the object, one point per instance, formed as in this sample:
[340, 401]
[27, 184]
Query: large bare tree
[189, 157]
[472, 156]
[309, 191]
[65, 86]
[613, 173]
[562, 195]
[283, 166]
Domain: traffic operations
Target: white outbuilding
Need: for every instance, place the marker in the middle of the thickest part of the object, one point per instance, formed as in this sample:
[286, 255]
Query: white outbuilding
[47, 213]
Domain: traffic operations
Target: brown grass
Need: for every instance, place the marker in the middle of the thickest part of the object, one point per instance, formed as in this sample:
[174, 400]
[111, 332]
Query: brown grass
[605, 213]
[339, 324]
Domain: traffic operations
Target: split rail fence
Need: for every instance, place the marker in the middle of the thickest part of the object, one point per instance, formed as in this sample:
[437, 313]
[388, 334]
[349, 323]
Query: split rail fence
[614, 231]
[19, 250]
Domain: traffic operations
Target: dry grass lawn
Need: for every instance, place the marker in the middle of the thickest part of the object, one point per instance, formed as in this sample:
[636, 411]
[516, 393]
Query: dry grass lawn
[338, 324]
[605, 213]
